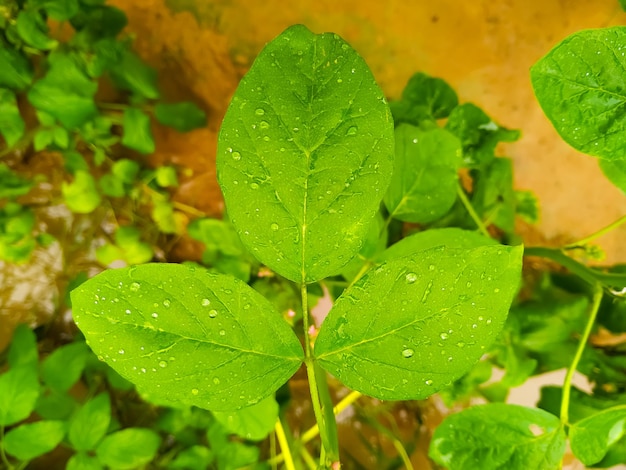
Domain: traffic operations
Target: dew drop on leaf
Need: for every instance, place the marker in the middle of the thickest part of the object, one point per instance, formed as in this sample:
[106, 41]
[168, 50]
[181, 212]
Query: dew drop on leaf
[155, 315]
[206, 302]
[194, 391]
[162, 364]
[121, 351]
[236, 156]
[443, 335]
[166, 303]
[408, 353]
[274, 227]
[352, 130]
[135, 286]
[127, 312]
[264, 125]
[259, 112]
[222, 332]
[216, 381]
[411, 278]
[428, 382]
[213, 313]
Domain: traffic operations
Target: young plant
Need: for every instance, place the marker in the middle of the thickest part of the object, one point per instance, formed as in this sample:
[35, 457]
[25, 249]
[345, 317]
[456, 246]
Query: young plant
[305, 158]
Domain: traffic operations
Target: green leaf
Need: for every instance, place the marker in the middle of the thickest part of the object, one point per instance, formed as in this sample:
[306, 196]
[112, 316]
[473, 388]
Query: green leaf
[499, 436]
[129, 448]
[494, 197]
[59, 10]
[16, 72]
[478, 134]
[11, 123]
[424, 183]
[90, 423]
[81, 195]
[43, 138]
[448, 306]
[187, 335]
[33, 30]
[615, 171]
[164, 216]
[183, 117]
[450, 237]
[581, 87]
[62, 369]
[19, 389]
[65, 92]
[193, 458]
[253, 423]
[623, 4]
[97, 22]
[133, 75]
[166, 177]
[82, 461]
[374, 244]
[74, 162]
[34, 439]
[11, 184]
[527, 206]
[590, 438]
[423, 98]
[55, 405]
[313, 150]
[125, 170]
[23, 348]
[137, 131]
[61, 137]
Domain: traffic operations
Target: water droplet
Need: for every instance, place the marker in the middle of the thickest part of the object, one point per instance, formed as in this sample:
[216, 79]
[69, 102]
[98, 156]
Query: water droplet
[274, 227]
[259, 112]
[236, 156]
[352, 130]
[127, 312]
[213, 313]
[428, 382]
[411, 278]
[408, 353]
[166, 303]
[469, 284]
[222, 332]
[431, 267]
[162, 364]
[496, 290]
[443, 335]
[121, 351]
[264, 125]
[206, 302]
[339, 80]
[266, 138]
[460, 344]
[135, 286]
[254, 186]
[194, 391]
[155, 315]
[216, 381]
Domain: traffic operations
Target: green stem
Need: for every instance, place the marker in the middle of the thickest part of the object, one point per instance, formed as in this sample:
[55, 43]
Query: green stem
[597, 234]
[3, 455]
[567, 384]
[470, 209]
[328, 446]
[284, 445]
[615, 280]
[308, 460]
[342, 405]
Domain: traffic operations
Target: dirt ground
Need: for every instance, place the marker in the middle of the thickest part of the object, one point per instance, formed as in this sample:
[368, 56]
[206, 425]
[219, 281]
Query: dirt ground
[482, 48]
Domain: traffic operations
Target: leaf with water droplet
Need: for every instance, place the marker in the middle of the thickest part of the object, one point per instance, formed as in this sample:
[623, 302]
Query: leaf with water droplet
[389, 349]
[581, 88]
[174, 351]
[326, 165]
[424, 183]
[502, 436]
[253, 423]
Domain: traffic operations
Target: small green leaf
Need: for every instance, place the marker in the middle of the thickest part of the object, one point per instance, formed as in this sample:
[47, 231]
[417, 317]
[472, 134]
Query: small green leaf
[132, 74]
[527, 206]
[478, 134]
[193, 458]
[448, 306]
[615, 171]
[19, 389]
[424, 182]
[125, 170]
[253, 423]
[81, 195]
[97, 22]
[33, 30]
[59, 10]
[43, 138]
[11, 123]
[74, 162]
[62, 369]
[137, 131]
[65, 92]
[129, 448]
[494, 197]
[90, 423]
[166, 177]
[164, 216]
[11, 184]
[82, 461]
[183, 117]
[187, 335]
[499, 436]
[581, 88]
[23, 348]
[590, 438]
[424, 98]
[15, 70]
[61, 137]
[34, 439]
[55, 405]
[313, 150]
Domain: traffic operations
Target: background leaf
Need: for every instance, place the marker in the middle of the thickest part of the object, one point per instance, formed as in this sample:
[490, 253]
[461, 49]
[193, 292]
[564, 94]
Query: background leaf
[414, 324]
[33, 30]
[129, 448]
[137, 131]
[19, 389]
[581, 87]
[11, 123]
[253, 423]
[23, 348]
[187, 335]
[424, 182]
[498, 436]
[590, 438]
[308, 137]
[15, 70]
[31, 440]
[183, 117]
[62, 369]
[424, 98]
[81, 195]
[90, 423]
